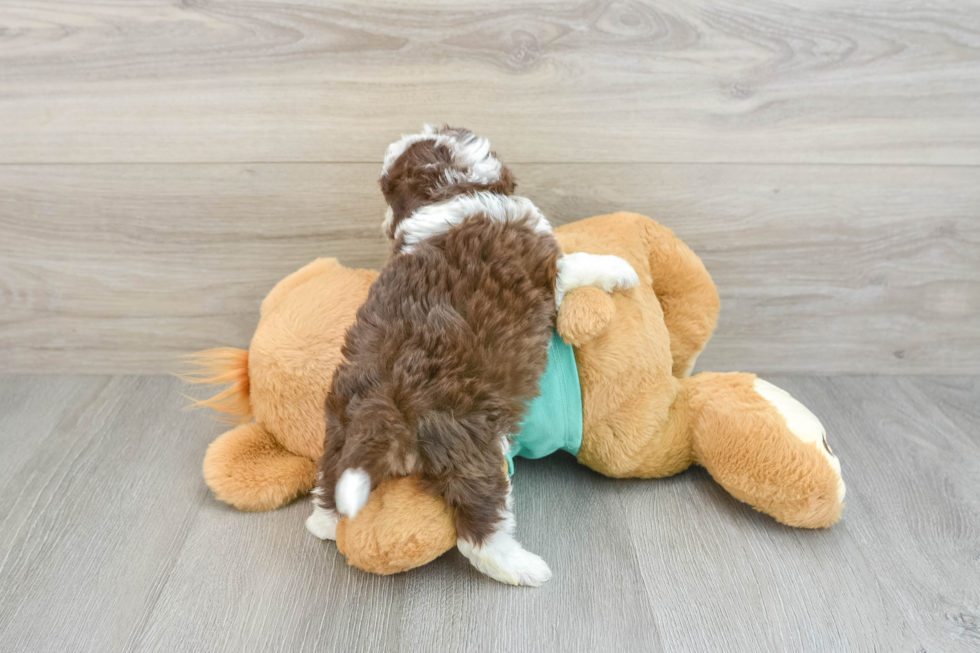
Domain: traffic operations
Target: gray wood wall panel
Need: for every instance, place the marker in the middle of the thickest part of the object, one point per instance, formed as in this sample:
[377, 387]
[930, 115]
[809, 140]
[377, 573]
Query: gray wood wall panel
[822, 269]
[310, 80]
[163, 164]
[109, 540]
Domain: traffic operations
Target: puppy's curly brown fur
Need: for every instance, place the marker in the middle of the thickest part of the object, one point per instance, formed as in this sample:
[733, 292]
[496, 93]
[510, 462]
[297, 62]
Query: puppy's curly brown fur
[447, 351]
[441, 362]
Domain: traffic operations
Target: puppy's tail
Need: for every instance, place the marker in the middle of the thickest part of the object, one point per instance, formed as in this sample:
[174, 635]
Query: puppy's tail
[218, 367]
[375, 446]
[353, 490]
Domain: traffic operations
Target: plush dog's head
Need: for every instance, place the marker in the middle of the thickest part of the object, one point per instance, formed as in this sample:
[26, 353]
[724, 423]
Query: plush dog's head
[435, 166]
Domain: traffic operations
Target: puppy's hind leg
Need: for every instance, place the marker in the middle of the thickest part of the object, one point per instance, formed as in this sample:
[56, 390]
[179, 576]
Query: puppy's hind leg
[582, 269]
[472, 478]
[322, 522]
[498, 554]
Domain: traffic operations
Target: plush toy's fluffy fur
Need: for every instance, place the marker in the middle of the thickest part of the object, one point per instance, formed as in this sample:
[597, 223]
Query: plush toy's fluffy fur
[643, 416]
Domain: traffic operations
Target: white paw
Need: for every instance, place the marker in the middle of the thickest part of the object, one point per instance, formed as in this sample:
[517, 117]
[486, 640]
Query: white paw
[529, 568]
[619, 275]
[503, 558]
[581, 269]
[352, 492]
[322, 523]
[801, 423]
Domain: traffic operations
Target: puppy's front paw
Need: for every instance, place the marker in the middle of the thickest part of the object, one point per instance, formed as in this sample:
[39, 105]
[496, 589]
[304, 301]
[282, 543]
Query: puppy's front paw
[581, 269]
[619, 274]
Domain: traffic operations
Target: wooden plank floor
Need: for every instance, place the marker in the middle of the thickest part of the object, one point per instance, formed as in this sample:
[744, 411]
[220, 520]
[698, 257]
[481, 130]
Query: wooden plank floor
[110, 541]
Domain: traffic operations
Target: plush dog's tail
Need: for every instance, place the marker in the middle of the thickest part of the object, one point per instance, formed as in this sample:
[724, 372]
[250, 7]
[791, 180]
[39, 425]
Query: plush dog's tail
[218, 367]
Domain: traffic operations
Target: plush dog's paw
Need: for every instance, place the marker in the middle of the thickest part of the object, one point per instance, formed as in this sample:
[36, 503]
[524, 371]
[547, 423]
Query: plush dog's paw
[803, 424]
[322, 523]
[584, 315]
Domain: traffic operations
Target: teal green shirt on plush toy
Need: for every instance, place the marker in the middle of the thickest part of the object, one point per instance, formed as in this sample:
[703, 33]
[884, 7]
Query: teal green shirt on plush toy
[554, 420]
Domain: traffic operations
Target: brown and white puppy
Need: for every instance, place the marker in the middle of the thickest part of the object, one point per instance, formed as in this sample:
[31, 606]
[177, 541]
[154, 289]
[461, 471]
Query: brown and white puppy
[447, 351]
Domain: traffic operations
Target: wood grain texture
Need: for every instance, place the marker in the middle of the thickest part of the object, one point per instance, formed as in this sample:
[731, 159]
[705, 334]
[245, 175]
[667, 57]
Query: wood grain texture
[823, 269]
[110, 541]
[875, 81]
[94, 517]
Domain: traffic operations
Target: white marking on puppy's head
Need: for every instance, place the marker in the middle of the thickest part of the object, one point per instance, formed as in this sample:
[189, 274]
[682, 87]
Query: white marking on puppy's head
[435, 219]
[472, 157]
[386, 225]
[436, 165]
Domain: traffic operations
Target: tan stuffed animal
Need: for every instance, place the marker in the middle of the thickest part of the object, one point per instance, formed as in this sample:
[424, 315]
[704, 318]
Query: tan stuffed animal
[643, 416]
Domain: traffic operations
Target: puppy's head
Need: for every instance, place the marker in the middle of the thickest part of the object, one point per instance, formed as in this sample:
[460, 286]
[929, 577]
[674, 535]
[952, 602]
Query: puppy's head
[435, 166]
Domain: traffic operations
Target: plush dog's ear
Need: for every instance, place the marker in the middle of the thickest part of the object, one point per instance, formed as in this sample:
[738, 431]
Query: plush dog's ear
[435, 166]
